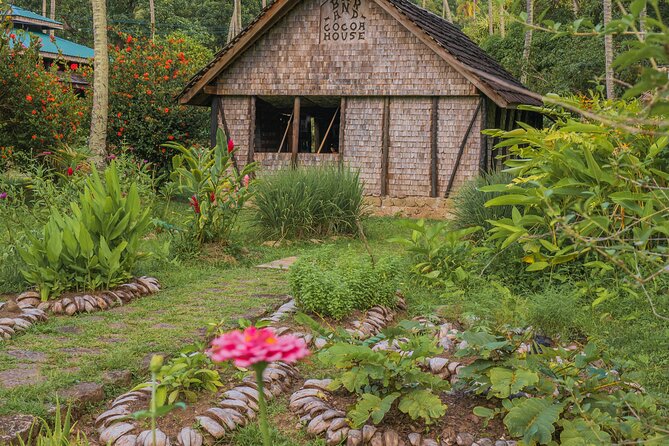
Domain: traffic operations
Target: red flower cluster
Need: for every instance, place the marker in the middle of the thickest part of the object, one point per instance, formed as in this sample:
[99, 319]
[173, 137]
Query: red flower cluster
[195, 204]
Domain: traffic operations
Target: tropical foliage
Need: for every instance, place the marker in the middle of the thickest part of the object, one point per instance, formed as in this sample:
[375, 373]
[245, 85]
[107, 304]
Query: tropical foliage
[95, 246]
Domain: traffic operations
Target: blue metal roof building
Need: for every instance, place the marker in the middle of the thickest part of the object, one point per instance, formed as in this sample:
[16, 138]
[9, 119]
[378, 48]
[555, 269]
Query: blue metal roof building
[29, 25]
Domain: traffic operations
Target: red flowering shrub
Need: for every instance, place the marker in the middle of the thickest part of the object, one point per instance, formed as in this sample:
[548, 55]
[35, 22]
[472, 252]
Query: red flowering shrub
[38, 111]
[144, 78]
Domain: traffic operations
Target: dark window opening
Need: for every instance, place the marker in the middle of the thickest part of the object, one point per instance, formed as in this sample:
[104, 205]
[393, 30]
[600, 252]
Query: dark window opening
[318, 123]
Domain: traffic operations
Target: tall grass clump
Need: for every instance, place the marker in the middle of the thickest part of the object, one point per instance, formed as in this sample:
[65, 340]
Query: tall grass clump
[469, 203]
[309, 202]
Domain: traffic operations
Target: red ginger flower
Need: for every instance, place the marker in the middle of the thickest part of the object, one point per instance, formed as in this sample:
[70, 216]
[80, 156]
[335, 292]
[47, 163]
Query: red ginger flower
[70, 171]
[195, 204]
[231, 145]
[257, 345]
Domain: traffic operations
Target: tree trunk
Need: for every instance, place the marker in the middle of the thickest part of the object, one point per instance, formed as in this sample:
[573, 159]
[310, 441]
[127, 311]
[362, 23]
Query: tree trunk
[446, 9]
[575, 8]
[44, 8]
[99, 112]
[528, 41]
[152, 14]
[264, 4]
[52, 14]
[502, 19]
[491, 29]
[642, 23]
[235, 20]
[608, 52]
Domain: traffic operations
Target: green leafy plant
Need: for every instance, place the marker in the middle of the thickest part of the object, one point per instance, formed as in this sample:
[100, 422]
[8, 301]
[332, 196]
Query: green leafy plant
[217, 189]
[59, 433]
[155, 410]
[335, 284]
[183, 376]
[584, 187]
[309, 202]
[469, 208]
[552, 394]
[440, 255]
[96, 246]
[385, 379]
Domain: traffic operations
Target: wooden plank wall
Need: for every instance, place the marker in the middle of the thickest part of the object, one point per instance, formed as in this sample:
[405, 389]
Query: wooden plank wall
[455, 114]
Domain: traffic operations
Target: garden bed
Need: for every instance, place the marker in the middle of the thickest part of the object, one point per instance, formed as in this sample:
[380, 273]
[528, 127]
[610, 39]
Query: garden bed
[20, 313]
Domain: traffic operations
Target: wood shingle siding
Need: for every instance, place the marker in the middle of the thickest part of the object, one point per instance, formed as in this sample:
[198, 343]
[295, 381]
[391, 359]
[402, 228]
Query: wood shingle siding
[290, 60]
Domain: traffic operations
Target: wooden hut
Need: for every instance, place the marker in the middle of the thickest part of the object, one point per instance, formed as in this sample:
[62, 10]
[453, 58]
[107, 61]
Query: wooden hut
[382, 86]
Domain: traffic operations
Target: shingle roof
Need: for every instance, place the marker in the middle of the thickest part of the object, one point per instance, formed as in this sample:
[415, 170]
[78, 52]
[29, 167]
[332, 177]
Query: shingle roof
[16, 14]
[453, 40]
[476, 62]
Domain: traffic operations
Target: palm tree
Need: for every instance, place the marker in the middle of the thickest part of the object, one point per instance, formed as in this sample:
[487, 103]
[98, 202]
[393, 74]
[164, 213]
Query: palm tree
[608, 52]
[502, 19]
[152, 14]
[235, 20]
[99, 112]
[491, 29]
[446, 9]
[528, 41]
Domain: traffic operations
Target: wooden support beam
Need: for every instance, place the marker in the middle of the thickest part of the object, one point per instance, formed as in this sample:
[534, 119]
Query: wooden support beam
[434, 149]
[385, 145]
[215, 106]
[342, 130]
[327, 133]
[463, 144]
[295, 141]
[252, 129]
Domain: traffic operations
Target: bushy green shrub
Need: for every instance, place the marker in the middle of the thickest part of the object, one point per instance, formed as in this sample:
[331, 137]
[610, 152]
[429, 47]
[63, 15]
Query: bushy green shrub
[439, 255]
[556, 312]
[468, 203]
[334, 285]
[309, 202]
[97, 245]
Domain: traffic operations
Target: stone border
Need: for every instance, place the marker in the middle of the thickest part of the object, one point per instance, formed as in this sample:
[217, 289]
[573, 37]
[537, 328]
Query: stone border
[34, 310]
[240, 404]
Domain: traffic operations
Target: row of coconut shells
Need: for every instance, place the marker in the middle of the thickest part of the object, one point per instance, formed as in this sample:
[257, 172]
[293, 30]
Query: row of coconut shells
[238, 406]
[11, 326]
[141, 286]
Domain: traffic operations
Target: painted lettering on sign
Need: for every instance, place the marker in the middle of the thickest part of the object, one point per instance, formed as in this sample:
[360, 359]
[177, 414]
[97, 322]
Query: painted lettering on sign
[343, 21]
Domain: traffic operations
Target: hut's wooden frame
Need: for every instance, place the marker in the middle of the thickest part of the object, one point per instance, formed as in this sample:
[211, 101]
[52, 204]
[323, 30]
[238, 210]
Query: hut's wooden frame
[495, 92]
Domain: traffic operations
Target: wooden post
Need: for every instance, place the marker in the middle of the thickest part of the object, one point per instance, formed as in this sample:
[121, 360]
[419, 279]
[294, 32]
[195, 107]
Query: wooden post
[215, 106]
[385, 145]
[463, 144]
[483, 156]
[252, 129]
[295, 142]
[342, 130]
[434, 161]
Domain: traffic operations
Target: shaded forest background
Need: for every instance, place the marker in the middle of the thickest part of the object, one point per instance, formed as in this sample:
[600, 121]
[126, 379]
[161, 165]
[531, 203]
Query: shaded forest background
[563, 64]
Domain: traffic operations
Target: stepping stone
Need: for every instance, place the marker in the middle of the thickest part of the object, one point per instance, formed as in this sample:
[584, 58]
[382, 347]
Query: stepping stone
[83, 393]
[23, 375]
[27, 355]
[13, 427]
[282, 264]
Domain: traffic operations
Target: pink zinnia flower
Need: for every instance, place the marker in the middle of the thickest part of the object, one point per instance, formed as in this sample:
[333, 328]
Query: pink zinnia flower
[3, 195]
[257, 345]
